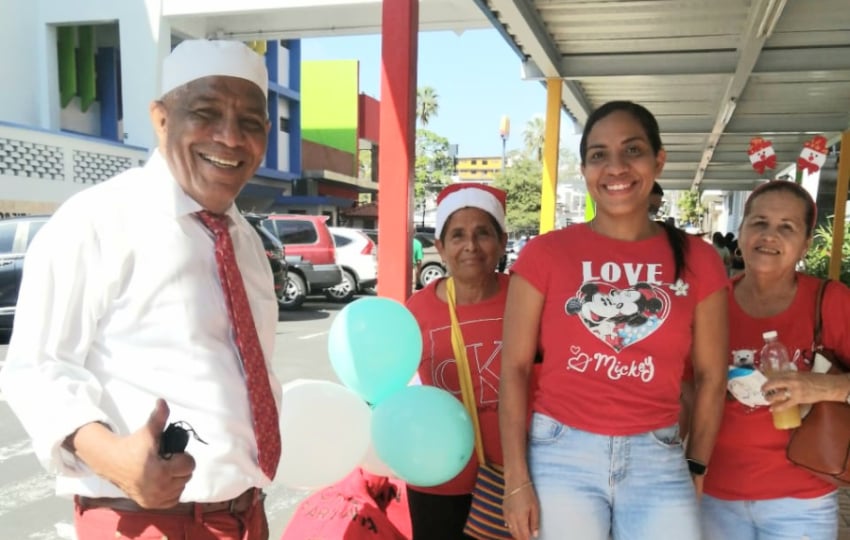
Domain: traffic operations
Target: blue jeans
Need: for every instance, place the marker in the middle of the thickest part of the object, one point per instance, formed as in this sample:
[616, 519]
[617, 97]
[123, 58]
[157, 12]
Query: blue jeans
[771, 519]
[591, 486]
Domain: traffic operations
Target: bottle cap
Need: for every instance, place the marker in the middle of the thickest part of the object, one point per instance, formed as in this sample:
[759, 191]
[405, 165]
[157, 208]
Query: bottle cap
[770, 334]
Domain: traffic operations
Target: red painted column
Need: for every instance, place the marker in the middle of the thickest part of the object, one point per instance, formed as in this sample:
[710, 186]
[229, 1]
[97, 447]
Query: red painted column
[397, 138]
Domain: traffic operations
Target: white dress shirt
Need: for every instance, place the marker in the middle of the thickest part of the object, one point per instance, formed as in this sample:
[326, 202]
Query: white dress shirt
[121, 304]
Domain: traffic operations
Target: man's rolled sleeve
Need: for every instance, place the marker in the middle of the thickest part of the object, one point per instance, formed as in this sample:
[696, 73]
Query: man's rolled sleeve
[44, 379]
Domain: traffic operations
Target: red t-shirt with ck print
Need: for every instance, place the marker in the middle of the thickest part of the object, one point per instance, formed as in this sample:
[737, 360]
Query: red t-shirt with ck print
[616, 326]
[481, 325]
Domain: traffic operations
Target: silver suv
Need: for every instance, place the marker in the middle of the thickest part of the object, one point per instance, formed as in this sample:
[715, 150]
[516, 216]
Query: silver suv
[432, 264]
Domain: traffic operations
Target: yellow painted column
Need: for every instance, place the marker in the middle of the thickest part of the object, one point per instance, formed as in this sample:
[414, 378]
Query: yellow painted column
[551, 145]
[840, 205]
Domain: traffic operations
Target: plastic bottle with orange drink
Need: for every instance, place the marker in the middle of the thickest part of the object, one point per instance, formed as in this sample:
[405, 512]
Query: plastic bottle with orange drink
[774, 358]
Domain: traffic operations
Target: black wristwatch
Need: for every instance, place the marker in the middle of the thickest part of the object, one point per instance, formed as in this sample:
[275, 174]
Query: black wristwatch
[697, 468]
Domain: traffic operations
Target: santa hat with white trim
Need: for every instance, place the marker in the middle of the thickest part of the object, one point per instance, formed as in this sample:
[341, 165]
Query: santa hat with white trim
[467, 195]
[198, 58]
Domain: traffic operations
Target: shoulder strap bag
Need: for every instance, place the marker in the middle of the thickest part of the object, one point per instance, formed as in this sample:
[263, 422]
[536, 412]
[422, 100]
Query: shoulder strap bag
[821, 444]
[486, 520]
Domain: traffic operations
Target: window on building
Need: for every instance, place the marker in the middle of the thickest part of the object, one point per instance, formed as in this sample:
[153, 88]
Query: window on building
[473, 162]
[484, 162]
[284, 124]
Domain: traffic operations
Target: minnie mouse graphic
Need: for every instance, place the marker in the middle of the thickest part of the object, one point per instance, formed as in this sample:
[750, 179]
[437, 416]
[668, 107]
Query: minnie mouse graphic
[620, 317]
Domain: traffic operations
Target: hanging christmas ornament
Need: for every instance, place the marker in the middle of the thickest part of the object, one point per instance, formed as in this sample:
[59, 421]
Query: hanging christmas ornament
[813, 155]
[761, 154]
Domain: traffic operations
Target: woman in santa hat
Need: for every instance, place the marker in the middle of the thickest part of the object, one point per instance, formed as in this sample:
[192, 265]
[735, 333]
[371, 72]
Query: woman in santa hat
[471, 238]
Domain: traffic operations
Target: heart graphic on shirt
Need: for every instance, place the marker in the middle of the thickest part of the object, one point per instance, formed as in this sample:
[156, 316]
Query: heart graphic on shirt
[579, 361]
[575, 349]
[620, 317]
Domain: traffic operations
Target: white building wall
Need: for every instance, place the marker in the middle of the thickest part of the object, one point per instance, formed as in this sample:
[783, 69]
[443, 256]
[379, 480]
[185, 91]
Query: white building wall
[31, 95]
[283, 66]
[20, 68]
[44, 169]
[145, 40]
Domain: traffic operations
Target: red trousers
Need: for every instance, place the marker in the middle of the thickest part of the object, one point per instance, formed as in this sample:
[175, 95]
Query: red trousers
[110, 524]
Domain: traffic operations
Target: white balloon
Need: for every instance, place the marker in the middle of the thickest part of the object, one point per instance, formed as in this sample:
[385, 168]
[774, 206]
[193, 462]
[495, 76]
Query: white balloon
[325, 433]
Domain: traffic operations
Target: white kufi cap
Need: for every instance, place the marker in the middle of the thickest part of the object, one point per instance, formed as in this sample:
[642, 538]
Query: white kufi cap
[195, 59]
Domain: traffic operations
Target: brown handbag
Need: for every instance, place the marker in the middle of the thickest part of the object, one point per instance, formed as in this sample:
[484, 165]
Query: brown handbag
[821, 444]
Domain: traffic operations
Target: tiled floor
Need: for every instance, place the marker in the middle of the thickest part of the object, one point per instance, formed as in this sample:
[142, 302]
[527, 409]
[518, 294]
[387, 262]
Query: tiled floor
[844, 520]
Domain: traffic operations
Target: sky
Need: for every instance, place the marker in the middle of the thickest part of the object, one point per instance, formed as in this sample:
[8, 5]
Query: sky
[476, 75]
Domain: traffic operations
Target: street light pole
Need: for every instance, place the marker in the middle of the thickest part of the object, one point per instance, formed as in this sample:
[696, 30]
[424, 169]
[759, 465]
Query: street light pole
[504, 132]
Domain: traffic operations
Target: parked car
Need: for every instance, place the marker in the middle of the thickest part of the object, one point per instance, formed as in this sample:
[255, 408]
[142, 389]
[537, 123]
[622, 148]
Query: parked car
[310, 252]
[276, 254]
[432, 264]
[357, 256]
[515, 246]
[16, 235]
[295, 292]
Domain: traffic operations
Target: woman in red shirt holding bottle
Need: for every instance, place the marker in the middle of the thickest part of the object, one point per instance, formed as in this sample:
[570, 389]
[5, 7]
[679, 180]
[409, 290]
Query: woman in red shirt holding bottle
[752, 491]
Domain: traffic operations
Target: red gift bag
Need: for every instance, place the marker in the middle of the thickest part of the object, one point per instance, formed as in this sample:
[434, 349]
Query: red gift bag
[361, 506]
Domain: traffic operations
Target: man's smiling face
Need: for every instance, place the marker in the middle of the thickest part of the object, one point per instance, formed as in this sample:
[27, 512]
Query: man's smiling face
[213, 133]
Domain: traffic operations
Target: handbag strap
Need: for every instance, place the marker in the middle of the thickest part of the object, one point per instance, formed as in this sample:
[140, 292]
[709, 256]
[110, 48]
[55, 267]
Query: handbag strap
[817, 344]
[464, 374]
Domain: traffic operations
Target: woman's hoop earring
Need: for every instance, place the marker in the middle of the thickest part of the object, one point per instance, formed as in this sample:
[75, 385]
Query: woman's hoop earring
[738, 252]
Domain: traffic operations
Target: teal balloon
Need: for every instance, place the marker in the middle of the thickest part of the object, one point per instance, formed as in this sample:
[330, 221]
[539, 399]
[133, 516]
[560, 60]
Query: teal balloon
[423, 434]
[374, 346]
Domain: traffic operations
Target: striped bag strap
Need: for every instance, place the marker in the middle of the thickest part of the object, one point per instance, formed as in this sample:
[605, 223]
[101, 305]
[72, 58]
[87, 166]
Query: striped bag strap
[463, 371]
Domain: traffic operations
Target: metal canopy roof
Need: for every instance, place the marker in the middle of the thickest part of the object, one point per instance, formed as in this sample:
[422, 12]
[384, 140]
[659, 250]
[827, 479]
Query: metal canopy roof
[715, 73]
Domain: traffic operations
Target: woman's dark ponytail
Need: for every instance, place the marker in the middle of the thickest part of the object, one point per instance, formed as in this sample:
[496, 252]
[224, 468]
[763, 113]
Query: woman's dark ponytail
[678, 240]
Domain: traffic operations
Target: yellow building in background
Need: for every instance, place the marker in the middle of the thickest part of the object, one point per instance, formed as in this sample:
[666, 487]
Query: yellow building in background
[478, 169]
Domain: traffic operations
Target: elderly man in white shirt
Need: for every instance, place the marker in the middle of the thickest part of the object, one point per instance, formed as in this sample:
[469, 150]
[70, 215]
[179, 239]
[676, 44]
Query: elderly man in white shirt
[126, 320]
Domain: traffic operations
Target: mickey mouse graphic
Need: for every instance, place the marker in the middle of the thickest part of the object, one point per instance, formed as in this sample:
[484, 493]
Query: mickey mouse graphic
[619, 317]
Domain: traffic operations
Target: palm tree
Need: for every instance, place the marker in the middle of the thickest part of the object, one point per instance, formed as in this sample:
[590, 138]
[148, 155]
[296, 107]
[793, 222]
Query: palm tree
[426, 104]
[533, 136]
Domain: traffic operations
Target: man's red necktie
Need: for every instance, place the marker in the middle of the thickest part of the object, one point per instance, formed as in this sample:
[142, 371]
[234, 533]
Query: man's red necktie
[263, 407]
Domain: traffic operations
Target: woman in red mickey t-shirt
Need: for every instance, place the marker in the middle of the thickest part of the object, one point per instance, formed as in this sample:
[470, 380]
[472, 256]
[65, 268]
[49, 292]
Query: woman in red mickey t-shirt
[616, 306]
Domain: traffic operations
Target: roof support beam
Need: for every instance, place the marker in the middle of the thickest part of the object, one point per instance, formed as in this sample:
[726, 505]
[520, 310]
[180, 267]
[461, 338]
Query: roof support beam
[760, 22]
[524, 23]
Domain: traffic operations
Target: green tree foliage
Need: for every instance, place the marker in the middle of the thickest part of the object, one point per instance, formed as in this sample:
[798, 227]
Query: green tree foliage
[817, 259]
[533, 136]
[427, 104]
[434, 166]
[522, 181]
[691, 209]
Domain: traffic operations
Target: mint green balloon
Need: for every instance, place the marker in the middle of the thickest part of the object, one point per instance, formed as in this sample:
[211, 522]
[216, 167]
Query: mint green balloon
[423, 434]
[375, 345]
